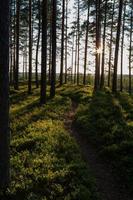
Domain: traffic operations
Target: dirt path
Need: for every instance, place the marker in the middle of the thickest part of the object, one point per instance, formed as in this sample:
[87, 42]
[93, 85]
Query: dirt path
[106, 183]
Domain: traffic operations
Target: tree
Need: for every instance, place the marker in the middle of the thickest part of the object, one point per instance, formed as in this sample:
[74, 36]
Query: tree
[38, 41]
[98, 35]
[104, 42]
[66, 41]
[78, 41]
[44, 52]
[130, 52]
[4, 94]
[114, 83]
[17, 45]
[76, 49]
[111, 42]
[53, 71]
[72, 58]
[86, 42]
[122, 46]
[62, 42]
[11, 44]
[14, 41]
[50, 53]
[30, 47]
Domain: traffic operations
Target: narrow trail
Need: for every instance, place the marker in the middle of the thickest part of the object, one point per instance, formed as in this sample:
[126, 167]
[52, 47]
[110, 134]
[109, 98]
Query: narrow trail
[106, 182]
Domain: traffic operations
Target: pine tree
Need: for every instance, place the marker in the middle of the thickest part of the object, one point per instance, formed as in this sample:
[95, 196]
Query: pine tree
[30, 48]
[53, 70]
[111, 42]
[4, 94]
[98, 43]
[62, 42]
[17, 44]
[38, 41]
[44, 53]
[130, 52]
[104, 42]
[114, 83]
[86, 42]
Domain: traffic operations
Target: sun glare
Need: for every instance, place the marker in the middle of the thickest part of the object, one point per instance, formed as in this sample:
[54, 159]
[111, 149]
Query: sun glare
[99, 50]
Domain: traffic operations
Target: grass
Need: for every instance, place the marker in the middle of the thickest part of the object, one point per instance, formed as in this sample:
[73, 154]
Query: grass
[107, 121]
[46, 163]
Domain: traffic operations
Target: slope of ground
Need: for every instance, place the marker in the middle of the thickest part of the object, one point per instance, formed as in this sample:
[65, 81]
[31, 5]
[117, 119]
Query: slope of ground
[106, 180]
[102, 120]
[45, 161]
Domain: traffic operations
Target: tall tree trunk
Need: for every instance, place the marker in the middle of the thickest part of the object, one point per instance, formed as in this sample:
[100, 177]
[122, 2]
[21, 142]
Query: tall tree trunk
[78, 50]
[4, 94]
[86, 43]
[66, 42]
[103, 52]
[44, 53]
[11, 45]
[16, 86]
[130, 54]
[50, 59]
[11, 61]
[75, 68]
[26, 58]
[72, 59]
[122, 46]
[114, 84]
[23, 67]
[53, 71]
[38, 41]
[111, 42]
[14, 46]
[62, 43]
[30, 48]
[98, 35]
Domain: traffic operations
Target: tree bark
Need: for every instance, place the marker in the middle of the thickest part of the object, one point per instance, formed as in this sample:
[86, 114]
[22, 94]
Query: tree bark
[17, 45]
[122, 46]
[53, 71]
[78, 50]
[38, 41]
[30, 48]
[66, 42]
[130, 54]
[72, 58]
[111, 42]
[103, 52]
[62, 43]
[98, 35]
[50, 56]
[86, 43]
[4, 94]
[44, 53]
[114, 84]
[75, 68]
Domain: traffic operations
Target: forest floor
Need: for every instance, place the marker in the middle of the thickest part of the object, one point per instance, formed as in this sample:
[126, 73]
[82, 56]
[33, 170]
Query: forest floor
[46, 162]
[72, 147]
[106, 182]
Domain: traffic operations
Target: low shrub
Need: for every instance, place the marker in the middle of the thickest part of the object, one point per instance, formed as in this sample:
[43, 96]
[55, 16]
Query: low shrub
[104, 121]
[46, 163]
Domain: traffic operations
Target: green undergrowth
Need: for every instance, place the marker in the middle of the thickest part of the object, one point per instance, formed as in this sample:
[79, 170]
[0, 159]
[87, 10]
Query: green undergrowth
[78, 94]
[126, 101]
[45, 161]
[108, 122]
